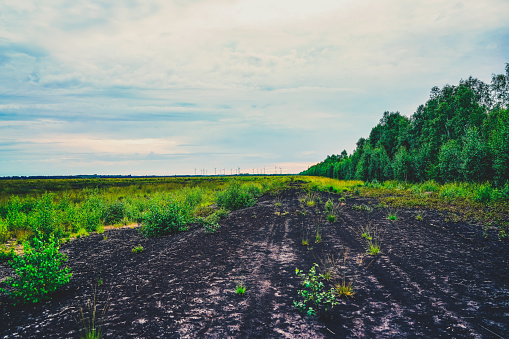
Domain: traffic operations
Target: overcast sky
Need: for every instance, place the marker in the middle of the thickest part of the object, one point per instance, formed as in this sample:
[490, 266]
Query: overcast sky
[164, 87]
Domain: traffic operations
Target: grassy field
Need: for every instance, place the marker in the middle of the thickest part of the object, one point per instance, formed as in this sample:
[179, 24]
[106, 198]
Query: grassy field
[74, 207]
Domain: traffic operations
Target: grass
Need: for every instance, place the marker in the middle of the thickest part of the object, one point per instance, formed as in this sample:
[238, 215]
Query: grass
[75, 207]
[91, 318]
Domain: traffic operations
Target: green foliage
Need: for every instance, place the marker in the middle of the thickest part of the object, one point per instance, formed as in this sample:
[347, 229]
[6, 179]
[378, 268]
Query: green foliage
[240, 289]
[449, 161]
[137, 249]
[6, 255]
[476, 161]
[114, 213]
[237, 196]
[329, 206]
[314, 296]
[165, 217]
[461, 133]
[331, 218]
[39, 272]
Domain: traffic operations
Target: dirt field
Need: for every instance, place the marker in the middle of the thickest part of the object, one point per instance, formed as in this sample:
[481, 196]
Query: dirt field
[433, 279]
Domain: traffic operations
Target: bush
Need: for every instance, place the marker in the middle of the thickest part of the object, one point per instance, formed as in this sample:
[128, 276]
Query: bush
[314, 297]
[39, 271]
[165, 218]
[4, 231]
[114, 213]
[235, 196]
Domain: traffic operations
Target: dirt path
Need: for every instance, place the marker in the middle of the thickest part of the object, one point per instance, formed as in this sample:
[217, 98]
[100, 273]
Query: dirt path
[433, 279]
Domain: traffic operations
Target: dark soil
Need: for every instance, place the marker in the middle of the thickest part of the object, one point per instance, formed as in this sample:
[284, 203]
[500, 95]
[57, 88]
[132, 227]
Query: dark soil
[433, 279]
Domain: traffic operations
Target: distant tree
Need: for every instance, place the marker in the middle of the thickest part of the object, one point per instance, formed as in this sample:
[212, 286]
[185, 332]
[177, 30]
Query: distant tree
[402, 165]
[449, 161]
[500, 87]
[476, 161]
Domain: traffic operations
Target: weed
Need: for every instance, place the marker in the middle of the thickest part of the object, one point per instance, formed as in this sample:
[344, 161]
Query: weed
[100, 281]
[362, 207]
[315, 297]
[374, 249]
[418, 217]
[344, 289]
[331, 218]
[342, 199]
[91, 318]
[137, 249]
[392, 216]
[105, 237]
[373, 237]
[329, 206]
[240, 289]
[310, 203]
[318, 237]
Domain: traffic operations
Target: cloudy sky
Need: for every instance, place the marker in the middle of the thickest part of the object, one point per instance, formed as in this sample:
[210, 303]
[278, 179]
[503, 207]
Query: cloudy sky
[164, 87]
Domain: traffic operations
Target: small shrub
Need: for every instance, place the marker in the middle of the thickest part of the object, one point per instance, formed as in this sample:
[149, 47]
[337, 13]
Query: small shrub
[235, 196]
[114, 213]
[38, 271]
[315, 298]
[137, 249]
[165, 218]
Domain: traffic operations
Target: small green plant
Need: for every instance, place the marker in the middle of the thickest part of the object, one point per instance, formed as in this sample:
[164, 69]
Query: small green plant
[211, 227]
[392, 217]
[318, 237]
[314, 296]
[277, 204]
[331, 218]
[91, 318]
[418, 217]
[366, 236]
[329, 206]
[137, 249]
[6, 255]
[342, 199]
[105, 237]
[310, 203]
[374, 249]
[39, 272]
[100, 281]
[344, 289]
[240, 289]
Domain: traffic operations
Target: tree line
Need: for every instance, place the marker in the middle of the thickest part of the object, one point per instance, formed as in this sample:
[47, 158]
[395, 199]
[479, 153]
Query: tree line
[460, 134]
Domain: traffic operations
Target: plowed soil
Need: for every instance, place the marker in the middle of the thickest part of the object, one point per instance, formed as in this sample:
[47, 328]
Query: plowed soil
[433, 279]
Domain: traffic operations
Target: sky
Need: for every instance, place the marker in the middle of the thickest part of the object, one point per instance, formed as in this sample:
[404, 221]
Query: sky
[214, 86]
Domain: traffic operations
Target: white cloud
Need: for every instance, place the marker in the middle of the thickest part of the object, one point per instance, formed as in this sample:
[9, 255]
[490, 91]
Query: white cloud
[322, 72]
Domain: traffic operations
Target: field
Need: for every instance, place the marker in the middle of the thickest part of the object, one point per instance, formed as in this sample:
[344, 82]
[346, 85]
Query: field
[404, 262]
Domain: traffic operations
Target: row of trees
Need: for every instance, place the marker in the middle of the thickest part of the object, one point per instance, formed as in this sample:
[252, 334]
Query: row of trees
[460, 134]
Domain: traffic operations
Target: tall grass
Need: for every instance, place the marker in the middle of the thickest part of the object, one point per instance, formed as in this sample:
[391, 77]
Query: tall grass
[79, 206]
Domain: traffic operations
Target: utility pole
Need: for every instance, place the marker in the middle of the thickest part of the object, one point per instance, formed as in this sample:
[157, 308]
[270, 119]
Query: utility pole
[214, 171]
[195, 171]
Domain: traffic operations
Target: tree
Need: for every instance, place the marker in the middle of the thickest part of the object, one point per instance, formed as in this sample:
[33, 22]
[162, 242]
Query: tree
[449, 161]
[476, 161]
[402, 165]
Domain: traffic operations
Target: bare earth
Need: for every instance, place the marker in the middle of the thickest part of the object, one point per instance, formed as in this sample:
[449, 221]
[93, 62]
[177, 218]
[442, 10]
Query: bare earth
[433, 279]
